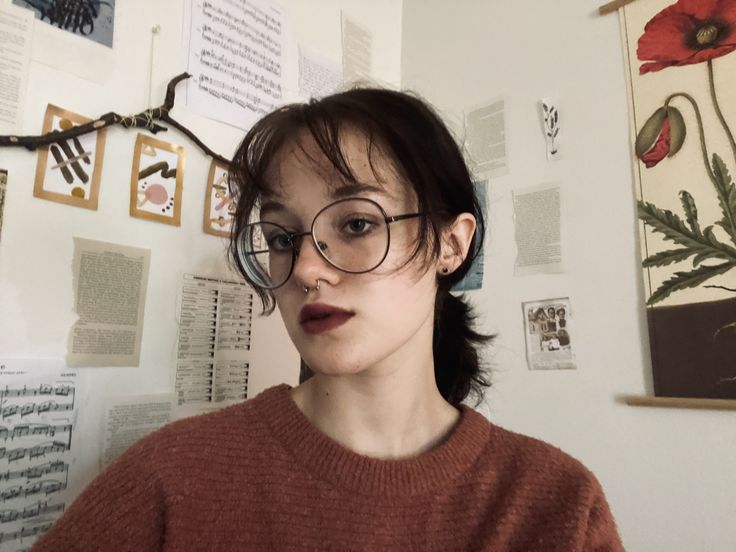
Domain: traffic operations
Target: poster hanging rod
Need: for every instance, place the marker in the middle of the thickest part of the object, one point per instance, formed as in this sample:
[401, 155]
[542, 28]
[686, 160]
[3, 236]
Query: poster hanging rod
[613, 6]
[681, 402]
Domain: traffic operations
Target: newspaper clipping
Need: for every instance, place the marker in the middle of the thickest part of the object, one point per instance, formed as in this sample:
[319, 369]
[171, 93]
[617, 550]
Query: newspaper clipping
[548, 334]
[110, 283]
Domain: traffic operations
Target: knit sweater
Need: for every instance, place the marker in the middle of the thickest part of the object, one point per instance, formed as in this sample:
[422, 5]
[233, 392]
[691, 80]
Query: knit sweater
[260, 476]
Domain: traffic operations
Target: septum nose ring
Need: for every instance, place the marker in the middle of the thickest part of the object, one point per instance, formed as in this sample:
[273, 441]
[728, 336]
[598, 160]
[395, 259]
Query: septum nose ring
[316, 288]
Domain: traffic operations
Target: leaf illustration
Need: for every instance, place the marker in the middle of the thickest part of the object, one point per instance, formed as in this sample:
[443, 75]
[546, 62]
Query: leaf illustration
[691, 211]
[663, 258]
[726, 196]
[684, 280]
[705, 255]
[674, 229]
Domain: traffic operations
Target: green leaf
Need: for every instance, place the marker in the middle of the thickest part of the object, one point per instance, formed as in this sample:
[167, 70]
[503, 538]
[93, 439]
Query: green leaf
[691, 211]
[674, 229]
[705, 255]
[663, 258]
[726, 196]
[684, 280]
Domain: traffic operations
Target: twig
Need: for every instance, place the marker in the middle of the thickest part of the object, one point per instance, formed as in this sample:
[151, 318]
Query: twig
[145, 119]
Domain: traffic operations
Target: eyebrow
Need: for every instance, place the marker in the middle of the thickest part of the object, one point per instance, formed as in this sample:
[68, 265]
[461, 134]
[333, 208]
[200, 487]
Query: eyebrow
[348, 190]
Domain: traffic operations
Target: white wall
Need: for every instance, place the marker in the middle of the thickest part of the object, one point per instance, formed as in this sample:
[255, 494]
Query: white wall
[669, 474]
[36, 310]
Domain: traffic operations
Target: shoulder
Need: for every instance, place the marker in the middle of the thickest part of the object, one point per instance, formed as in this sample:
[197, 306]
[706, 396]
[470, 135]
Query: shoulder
[539, 467]
[233, 429]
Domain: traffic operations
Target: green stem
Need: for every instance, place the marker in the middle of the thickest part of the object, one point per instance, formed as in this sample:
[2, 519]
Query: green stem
[713, 97]
[703, 149]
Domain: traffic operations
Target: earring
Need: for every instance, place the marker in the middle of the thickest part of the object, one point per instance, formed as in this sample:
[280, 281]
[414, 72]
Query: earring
[445, 270]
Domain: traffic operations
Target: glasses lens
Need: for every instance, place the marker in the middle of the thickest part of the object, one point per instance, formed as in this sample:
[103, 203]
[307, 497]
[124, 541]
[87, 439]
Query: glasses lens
[266, 252]
[352, 234]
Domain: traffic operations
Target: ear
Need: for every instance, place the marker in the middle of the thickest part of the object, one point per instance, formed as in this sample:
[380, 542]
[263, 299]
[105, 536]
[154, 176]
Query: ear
[456, 240]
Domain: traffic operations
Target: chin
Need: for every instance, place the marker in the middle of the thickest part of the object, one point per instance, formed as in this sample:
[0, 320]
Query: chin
[333, 367]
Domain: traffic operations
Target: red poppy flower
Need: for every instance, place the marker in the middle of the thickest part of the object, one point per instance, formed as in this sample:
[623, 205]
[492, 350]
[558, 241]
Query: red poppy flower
[687, 32]
[661, 136]
[661, 147]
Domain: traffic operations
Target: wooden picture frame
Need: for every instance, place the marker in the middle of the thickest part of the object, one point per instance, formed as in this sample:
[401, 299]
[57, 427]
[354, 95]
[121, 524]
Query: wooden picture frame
[156, 188]
[73, 178]
[218, 203]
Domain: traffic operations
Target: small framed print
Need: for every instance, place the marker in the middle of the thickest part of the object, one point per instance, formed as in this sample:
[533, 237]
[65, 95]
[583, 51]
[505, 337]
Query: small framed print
[219, 205]
[71, 174]
[156, 180]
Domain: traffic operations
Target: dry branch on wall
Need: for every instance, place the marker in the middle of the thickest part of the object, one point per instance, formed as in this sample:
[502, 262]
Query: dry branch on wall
[146, 119]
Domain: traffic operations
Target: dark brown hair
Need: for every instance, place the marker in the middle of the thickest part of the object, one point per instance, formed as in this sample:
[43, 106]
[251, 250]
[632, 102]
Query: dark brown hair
[407, 131]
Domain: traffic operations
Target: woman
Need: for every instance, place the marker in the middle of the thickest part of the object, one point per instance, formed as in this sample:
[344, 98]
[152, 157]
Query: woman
[355, 216]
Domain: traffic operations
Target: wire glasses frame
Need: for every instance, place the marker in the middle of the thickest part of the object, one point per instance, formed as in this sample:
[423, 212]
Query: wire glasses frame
[294, 240]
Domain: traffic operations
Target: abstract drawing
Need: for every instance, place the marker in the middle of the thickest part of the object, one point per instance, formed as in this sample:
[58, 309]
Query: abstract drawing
[219, 205]
[156, 180]
[92, 19]
[72, 174]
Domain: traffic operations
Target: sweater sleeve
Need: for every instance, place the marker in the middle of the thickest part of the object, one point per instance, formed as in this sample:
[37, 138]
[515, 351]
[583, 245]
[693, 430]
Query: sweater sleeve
[601, 534]
[123, 509]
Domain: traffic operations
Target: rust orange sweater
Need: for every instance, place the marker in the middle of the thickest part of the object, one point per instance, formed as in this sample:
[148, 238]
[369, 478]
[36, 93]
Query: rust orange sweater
[260, 476]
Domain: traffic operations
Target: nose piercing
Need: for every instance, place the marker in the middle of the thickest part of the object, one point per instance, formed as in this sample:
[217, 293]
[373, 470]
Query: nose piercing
[316, 288]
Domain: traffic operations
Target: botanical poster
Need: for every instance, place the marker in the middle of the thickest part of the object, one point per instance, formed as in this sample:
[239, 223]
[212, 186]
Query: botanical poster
[682, 73]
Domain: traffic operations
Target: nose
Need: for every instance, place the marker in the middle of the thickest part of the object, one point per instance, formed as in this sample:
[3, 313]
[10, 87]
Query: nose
[310, 265]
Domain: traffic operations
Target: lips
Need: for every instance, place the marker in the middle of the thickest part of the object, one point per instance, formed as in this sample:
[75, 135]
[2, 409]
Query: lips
[318, 318]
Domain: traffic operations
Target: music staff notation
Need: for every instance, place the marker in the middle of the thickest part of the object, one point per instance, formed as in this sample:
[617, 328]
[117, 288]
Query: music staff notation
[24, 533]
[6, 516]
[32, 430]
[36, 451]
[34, 472]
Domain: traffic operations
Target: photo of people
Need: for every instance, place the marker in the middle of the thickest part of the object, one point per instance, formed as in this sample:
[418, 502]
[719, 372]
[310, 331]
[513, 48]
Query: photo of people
[547, 334]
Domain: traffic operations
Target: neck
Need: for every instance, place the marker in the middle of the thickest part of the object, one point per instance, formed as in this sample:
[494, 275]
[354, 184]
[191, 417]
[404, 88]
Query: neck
[392, 416]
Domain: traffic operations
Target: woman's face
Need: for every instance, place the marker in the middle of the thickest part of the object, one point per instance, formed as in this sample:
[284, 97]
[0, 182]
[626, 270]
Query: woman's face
[392, 308]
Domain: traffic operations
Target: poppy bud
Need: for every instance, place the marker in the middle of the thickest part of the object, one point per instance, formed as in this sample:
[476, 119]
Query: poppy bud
[661, 136]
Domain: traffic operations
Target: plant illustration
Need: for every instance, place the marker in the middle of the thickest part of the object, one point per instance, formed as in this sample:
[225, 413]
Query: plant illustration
[688, 32]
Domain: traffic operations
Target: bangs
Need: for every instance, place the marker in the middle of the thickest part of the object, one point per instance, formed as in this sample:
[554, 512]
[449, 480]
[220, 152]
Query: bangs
[318, 136]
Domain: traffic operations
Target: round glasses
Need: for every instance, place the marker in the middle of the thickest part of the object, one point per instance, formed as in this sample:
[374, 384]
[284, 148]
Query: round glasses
[352, 234]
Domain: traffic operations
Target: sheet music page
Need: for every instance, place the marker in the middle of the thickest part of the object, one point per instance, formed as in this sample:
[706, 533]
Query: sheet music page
[213, 352]
[236, 59]
[39, 407]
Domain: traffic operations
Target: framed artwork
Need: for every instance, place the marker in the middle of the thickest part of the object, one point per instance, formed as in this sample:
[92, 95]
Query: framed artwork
[91, 19]
[219, 205]
[156, 180]
[682, 71]
[69, 171]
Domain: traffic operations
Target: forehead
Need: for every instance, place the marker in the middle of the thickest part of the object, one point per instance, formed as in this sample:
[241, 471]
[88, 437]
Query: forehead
[301, 171]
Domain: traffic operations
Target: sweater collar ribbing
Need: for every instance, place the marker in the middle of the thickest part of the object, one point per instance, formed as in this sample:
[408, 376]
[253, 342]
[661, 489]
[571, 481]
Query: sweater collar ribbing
[330, 461]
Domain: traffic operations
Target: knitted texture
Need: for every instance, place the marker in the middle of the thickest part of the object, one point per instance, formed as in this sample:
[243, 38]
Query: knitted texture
[260, 476]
